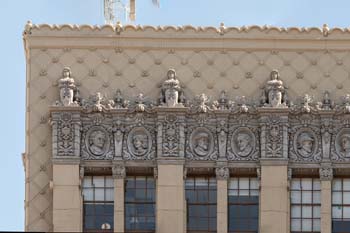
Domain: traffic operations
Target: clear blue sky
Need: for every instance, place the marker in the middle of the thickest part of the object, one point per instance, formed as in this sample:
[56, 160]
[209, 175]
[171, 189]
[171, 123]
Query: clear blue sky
[15, 13]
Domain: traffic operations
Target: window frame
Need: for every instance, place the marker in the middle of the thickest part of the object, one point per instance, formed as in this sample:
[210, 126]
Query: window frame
[94, 202]
[209, 204]
[144, 202]
[249, 190]
[312, 204]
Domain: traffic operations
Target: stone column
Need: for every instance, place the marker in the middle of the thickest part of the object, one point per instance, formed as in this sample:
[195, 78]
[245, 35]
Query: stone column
[274, 202]
[170, 197]
[119, 174]
[326, 176]
[222, 175]
[67, 198]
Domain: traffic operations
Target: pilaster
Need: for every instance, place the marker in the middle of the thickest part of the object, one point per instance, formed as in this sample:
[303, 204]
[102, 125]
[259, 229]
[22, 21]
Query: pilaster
[222, 175]
[67, 198]
[171, 208]
[119, 174]
[326, 176]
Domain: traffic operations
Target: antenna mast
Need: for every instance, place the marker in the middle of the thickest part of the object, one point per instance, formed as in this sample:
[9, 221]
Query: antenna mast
[121, 10]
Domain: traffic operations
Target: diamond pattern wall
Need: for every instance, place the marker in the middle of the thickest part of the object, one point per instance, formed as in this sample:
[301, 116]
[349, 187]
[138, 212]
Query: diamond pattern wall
[142, 70]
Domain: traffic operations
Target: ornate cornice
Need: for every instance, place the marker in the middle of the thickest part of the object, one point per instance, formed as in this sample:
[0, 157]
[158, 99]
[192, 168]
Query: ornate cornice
[222, 30]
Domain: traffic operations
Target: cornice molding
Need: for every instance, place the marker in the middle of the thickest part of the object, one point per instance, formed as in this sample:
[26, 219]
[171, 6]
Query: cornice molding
[221, 30]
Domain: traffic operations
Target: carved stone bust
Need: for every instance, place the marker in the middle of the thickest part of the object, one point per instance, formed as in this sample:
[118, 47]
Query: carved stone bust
[345, 144]
[305, 144]
[139, 141]
[243, 143]
[97, 141]
[201, 142]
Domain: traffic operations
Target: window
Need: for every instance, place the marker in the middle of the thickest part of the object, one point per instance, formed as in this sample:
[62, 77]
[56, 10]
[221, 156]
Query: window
[98, 205]
[140, 204]
[201, 204]
[305, 205]
[243, 202]
[341, 206]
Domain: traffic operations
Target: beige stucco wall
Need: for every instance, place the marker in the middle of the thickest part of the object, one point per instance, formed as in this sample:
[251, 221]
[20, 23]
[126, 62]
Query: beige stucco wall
[136, 60]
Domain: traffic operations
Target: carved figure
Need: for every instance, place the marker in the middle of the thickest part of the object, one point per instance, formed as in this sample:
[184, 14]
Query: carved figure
[67, 88]
[201, 144]
[345, 145]
[97, 142]
[243, 142]
[140, 143]
[171, 90]
[119, 100]
[305, 144]
[274, 94]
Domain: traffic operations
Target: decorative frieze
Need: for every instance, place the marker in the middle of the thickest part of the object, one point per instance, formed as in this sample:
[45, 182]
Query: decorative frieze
[204, 129]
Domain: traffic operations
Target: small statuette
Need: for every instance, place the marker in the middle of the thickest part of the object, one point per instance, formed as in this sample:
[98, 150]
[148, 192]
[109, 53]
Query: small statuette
[171, 91]
[67, 88]
[119, 100]
[274, 94]
[327, 102]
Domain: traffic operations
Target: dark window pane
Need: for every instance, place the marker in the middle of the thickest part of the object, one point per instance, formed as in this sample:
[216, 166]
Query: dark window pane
[130, 183]
[202, 196]
[89, 222]
[212, 211]
[341, 226]
[212, 196]
[89, 209]
[243, 209]
[190, 196]
[130, 195]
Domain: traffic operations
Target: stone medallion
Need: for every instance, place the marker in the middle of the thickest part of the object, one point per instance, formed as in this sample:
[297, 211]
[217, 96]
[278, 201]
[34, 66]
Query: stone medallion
[139, 142]
[201, 142]
[97, 141]
[342, 143]
[305, 143]
[243, 142]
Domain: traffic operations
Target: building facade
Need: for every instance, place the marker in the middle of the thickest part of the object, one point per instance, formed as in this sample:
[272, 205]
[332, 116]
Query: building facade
[184, 129]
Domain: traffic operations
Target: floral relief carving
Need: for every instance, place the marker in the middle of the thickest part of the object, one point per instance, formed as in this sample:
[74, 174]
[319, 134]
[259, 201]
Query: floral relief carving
[171, 136]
